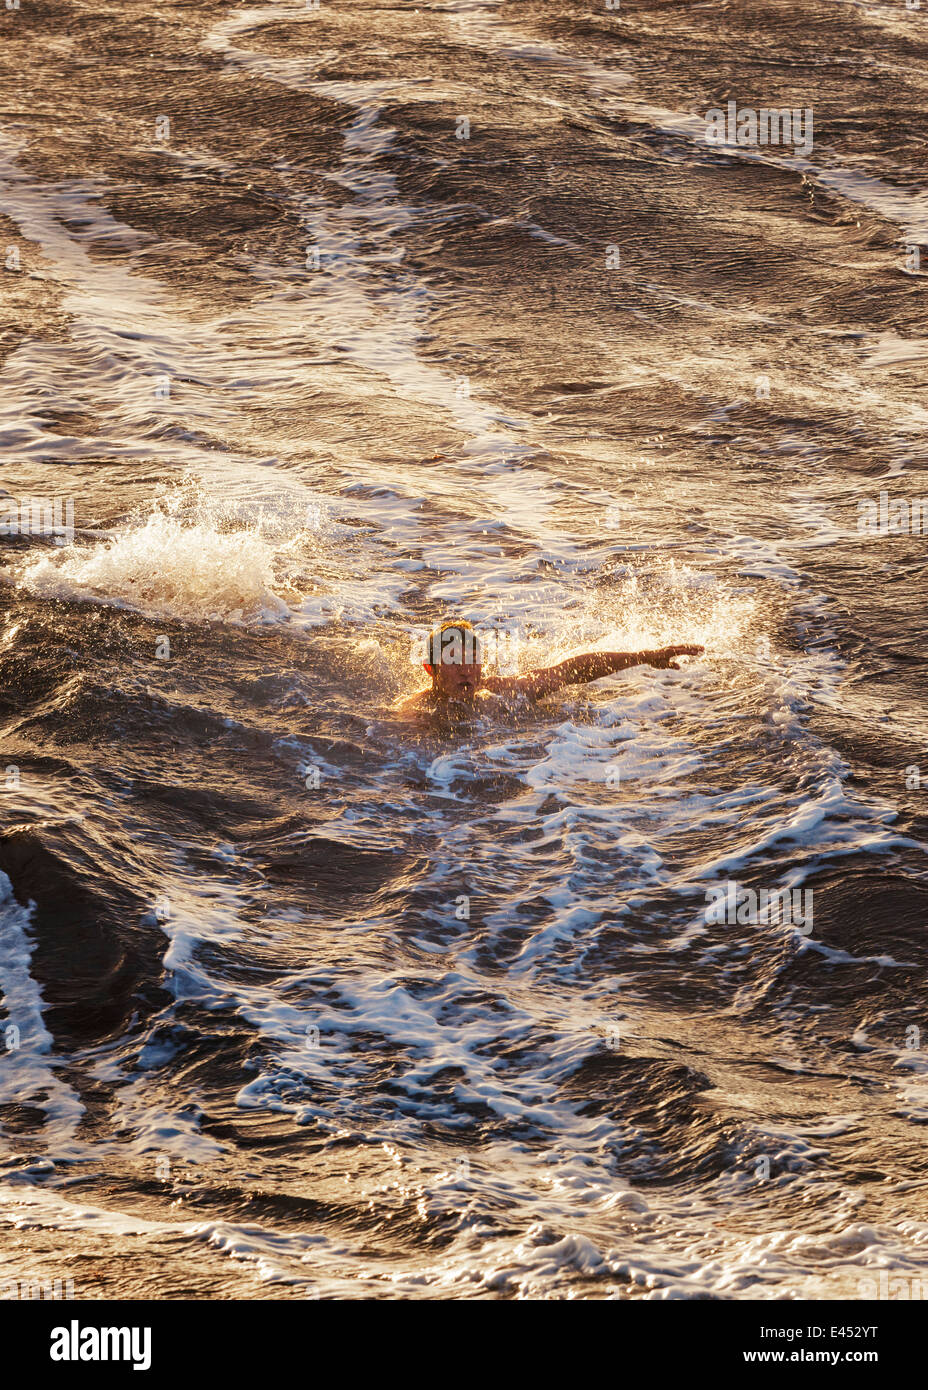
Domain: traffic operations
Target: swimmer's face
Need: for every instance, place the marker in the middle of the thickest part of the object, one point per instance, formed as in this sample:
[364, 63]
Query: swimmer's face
[456, 662]
[456, 680]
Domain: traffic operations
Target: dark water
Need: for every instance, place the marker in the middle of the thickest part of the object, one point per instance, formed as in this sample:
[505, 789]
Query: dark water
[304, 999]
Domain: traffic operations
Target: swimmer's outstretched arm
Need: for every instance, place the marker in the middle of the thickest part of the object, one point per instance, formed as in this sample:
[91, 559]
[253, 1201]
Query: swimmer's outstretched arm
[578, 670]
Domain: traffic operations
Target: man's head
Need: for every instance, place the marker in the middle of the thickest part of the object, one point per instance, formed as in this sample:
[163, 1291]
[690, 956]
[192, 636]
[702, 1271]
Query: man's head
[455, 661]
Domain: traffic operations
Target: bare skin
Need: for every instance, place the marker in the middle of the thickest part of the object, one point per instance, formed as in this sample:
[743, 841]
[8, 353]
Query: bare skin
[461, 684]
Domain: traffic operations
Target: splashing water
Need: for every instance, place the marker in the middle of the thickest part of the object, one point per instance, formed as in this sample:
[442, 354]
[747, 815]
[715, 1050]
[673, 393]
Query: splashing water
[203, 566]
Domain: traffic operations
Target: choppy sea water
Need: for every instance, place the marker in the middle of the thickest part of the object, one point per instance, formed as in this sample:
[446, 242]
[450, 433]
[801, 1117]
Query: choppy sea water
[322, 324]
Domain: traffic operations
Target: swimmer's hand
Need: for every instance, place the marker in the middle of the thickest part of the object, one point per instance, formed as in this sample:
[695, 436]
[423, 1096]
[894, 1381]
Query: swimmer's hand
[663, 657]
[578, 670]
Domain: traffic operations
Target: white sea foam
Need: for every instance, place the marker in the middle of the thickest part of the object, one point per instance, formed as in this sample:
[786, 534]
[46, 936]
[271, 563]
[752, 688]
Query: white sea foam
[27, 1070]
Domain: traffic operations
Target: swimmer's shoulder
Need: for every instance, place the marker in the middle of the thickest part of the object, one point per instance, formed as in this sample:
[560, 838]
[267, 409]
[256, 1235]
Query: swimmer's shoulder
[498, 699]
[419, 702]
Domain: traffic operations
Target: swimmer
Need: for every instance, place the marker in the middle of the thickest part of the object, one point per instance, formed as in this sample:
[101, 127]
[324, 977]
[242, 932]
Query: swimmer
[455, 666]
